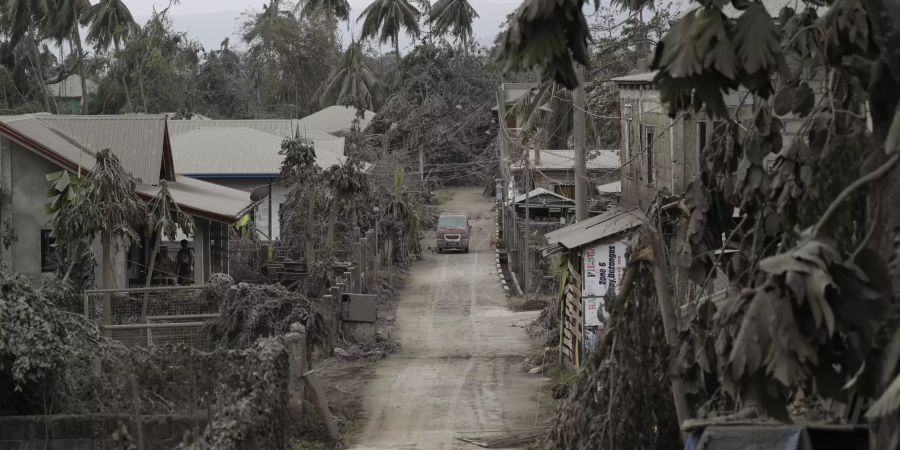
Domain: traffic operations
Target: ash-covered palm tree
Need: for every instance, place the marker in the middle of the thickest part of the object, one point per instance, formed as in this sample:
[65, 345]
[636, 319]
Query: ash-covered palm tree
[386, 18]
[352, 83]
[25, 22]
[340, 8]
[110, 23]
[454, 17]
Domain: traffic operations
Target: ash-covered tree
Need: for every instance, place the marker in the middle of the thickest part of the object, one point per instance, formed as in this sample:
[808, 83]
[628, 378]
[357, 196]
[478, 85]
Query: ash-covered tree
[812, 311]
[288, 58]
[441, 109]
[387, 18]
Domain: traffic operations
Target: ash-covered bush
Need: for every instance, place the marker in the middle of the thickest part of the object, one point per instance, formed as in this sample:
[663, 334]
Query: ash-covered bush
[39, 341]
[252, 311]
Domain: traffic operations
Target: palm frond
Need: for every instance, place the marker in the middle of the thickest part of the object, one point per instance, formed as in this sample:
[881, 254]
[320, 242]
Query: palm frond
[386, 18]
[454, 17]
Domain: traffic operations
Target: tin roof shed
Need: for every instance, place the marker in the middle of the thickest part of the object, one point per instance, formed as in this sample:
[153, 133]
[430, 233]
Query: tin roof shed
[610, 223]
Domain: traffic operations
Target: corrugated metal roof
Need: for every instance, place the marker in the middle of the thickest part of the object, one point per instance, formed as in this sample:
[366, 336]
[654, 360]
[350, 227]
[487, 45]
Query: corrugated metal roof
[206, 199]
[333, 119]
[533, 197]
[609, 223]
[31, 127]
[610, 188]
[136, 139]
[71, 87]
[278, 127]
[515, 91]
[637, 78]
[565, 160]
[241, 151]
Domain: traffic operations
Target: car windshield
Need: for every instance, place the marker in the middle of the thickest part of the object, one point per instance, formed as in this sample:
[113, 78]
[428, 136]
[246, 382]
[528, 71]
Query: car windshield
[452, 222]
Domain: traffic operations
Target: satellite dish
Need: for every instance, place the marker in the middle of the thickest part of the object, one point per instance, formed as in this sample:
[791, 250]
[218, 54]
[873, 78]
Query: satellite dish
[260, 192]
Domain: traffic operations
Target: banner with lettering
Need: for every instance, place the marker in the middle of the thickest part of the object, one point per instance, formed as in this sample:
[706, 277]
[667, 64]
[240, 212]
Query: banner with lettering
[604, 265]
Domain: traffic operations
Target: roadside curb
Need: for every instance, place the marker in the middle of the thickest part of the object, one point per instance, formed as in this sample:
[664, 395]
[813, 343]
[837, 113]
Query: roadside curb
[499, 266]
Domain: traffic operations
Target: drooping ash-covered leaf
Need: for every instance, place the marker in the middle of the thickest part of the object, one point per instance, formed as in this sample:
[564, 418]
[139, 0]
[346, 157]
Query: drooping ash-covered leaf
[551, 35]
[796, 327]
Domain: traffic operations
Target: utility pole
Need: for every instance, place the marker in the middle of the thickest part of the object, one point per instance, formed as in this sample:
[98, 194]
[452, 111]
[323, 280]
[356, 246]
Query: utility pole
[581, 194]
[526, 274]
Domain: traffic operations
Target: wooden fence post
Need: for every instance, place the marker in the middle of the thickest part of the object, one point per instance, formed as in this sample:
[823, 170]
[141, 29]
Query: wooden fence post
[295, 341]
[356, 269]
[364, 265]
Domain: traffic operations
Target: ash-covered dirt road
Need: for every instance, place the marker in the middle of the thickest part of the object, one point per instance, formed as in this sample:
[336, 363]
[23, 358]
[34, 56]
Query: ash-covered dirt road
[459, 371]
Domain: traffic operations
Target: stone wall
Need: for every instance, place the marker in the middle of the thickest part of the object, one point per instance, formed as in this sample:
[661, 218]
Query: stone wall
[93, 432]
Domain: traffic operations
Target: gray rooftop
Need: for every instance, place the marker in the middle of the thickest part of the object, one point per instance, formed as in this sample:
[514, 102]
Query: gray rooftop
[204, 199]
[540, 196]
[607, 224]
[565, 160]
[333, 119]
[241, 151]
[49, 136]
[637, 78]
[137, 140]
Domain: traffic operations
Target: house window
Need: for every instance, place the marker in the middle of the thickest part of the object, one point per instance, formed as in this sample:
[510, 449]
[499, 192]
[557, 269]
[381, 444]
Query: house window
[649, 136]
[48, 251]
[566, 190]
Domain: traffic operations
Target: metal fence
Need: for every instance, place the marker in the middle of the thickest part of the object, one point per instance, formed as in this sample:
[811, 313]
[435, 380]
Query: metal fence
[153, 316]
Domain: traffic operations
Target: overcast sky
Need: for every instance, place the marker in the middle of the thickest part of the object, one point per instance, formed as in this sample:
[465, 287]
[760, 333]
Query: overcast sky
[210, 21]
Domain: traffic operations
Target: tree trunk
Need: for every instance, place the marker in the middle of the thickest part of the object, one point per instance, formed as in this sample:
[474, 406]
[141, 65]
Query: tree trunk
[35, 57]
[310, 252]
[140, 73]
[81, 69]
[669, 319]
[397, 48]
[108, 282]
[329, 236]
[127, 95]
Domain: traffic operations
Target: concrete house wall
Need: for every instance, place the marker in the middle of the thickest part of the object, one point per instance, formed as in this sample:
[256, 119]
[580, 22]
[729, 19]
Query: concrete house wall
[261, 213]
[662, 154]
[23, 197]
[24, 184]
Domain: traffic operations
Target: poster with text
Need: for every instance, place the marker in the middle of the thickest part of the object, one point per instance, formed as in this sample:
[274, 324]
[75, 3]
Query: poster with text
[604, 265]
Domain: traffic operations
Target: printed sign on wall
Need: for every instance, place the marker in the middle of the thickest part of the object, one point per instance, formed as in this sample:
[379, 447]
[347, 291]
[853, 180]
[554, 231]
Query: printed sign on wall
[604, 266]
